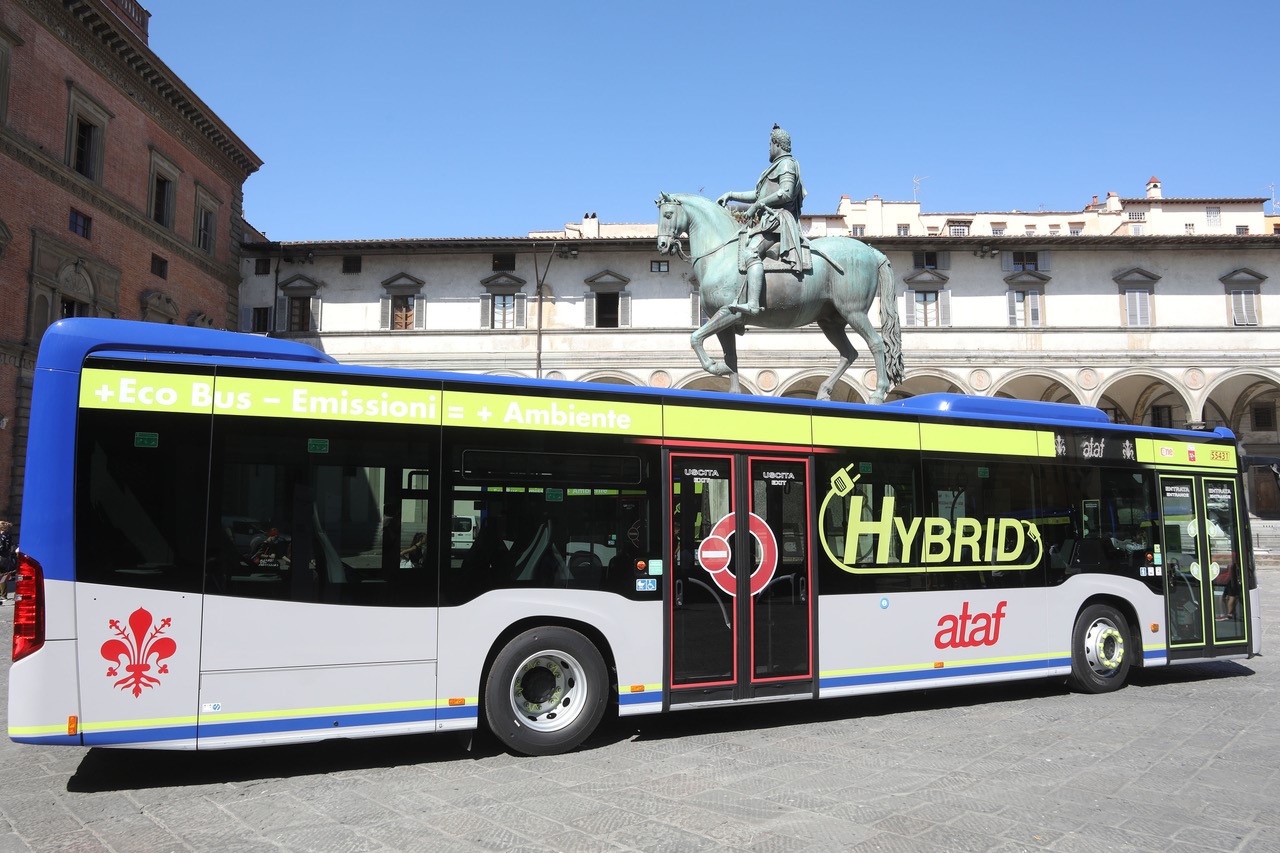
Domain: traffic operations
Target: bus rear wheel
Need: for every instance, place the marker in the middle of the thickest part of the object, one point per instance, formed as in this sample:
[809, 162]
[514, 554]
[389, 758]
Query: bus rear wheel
[1101, 651]
[546, 692]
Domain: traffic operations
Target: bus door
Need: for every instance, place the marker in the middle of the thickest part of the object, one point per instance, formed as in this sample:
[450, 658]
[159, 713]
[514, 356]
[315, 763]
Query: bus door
[1200, 543]
[739, 604]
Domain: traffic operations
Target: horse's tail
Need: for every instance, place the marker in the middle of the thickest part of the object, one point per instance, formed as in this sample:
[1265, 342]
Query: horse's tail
[890, 330]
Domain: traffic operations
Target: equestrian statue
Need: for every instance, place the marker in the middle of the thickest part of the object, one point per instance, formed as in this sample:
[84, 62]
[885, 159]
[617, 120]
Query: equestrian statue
[754, 266]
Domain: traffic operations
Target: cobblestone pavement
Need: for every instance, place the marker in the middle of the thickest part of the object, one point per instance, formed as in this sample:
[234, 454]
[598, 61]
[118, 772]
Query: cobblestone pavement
[1184, 758]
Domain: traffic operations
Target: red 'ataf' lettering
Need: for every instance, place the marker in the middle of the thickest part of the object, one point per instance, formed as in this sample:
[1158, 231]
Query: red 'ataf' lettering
[965, 629]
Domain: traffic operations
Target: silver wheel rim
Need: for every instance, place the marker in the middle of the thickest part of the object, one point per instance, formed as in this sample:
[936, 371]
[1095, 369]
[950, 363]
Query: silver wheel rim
[548, 691]
[1104, 648]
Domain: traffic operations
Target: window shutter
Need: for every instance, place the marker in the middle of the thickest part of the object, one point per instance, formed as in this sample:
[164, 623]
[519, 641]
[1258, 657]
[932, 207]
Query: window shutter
[521, 310]
[1006, 261]
[944, 307]
[282, 314]
[909, 308]
[1033, 308]
[315, 314]
[419, 312]
[624, 310]
[1013, 307]
[917, 260]
[1139, 307]
[944, 260]
[246, 318]
[589, 306]
[386, 313]
[486, 310]
[1042, 261]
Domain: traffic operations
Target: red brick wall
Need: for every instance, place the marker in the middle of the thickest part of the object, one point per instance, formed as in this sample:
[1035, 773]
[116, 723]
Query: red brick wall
[38, 190]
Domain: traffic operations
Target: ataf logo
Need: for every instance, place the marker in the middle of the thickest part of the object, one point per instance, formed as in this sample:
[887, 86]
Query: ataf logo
[965, 630]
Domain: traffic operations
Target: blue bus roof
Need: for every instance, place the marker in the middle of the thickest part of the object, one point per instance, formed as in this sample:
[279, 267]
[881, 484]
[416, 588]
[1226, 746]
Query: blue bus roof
[68, 342]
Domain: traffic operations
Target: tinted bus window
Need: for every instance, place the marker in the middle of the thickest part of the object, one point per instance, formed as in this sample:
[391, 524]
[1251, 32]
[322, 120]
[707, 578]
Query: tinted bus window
[141, 496]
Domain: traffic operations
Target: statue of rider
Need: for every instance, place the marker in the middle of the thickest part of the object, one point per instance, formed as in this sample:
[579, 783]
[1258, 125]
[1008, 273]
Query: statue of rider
[776, 200]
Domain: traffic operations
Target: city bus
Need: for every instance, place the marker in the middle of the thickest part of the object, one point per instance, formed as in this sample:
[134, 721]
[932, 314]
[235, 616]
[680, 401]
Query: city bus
[231, 540]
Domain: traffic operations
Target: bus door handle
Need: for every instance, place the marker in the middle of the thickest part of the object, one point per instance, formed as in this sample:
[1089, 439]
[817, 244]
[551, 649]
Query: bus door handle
[804, 590]
[679, 593]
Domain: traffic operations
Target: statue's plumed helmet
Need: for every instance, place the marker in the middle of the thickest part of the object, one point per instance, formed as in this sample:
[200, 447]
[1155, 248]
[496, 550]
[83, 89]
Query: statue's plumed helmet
[781, 137]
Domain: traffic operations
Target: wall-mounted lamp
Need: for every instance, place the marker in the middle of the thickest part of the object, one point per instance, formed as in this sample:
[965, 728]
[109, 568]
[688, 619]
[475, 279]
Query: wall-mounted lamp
[567, 252]
[985, 251]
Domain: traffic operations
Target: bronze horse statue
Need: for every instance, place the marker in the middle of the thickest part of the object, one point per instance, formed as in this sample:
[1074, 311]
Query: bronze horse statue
[847, 275]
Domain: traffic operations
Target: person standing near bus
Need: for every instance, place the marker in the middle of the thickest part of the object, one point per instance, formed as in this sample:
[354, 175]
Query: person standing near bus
[8, 559]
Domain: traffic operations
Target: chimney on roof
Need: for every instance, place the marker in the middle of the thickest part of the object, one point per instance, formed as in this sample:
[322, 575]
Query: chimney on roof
[1153, 188]
[1113, 202]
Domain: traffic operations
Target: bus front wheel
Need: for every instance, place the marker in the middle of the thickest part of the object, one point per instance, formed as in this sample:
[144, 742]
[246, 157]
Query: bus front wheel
[546, 692]
[1100, 650]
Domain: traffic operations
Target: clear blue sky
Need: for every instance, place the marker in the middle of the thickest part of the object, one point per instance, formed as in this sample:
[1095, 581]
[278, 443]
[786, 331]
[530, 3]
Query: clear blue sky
[406, 118]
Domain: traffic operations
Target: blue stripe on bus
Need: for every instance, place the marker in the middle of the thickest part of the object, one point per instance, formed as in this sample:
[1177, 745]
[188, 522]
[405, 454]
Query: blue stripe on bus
[155, 735]
[943, 672]
[47, 740]
[640, 698]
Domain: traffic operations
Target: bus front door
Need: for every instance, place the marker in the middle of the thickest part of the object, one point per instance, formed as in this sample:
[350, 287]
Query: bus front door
[1205, 593]
[740, 609]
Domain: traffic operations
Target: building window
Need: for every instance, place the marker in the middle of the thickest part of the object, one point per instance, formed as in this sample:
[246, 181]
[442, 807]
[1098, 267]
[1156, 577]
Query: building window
[1189, 228]
[659, 266]
[958, 230]
[1029, 231]
[927, 308]
[1075, 229]
[86, 133]
[260, 321]
[504, 262]
[1213, 215]
[6, 50]
[1024, 309]
[69, 308]
[1244, 308]
[352, 263]
[164, 190]
[607, 310]
[81, 224]
[262, 266]
[1242, 230]
[504, 311]
[159, 266]
[403, 305]
[904, 230]
[1137, 216]
[1264, 417]
[206, 223]
[1135, 230]
[1162, 416]
[401, 313]
[1137, 305]
[858, 231]
[931, 260]
[300, 314]
[1054, 230]
[1019, 261]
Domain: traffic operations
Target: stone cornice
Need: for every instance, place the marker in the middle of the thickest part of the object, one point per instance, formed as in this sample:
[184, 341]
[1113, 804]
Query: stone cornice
[137, 73]
[54, 172]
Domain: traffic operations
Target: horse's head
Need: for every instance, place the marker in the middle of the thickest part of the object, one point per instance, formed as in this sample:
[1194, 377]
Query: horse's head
[672, 222]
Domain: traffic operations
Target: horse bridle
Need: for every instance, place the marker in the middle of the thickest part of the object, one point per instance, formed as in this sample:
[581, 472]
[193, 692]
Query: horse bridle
[679, 246]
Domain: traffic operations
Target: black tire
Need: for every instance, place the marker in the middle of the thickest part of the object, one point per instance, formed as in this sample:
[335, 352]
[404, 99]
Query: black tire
[546, 692]
[1101, 650]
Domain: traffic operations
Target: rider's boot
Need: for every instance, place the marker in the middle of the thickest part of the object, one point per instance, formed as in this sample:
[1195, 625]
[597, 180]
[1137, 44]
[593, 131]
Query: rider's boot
[755, 283]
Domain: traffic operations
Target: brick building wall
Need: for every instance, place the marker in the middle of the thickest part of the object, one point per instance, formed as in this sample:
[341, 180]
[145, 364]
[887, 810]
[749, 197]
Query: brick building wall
[121, 193]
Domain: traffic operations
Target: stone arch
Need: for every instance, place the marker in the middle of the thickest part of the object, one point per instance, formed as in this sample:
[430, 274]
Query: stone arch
[610, 377]
[1234, 393]
[927, 380]
[1132, 393]
[805, 386]
[707, 382]
[1046, 386]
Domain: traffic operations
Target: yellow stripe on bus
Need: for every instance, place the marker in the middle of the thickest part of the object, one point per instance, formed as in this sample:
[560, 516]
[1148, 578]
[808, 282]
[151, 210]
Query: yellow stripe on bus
[1158, 451]
[734, 425]
[932, 665]
[866, 432]
[988, 441]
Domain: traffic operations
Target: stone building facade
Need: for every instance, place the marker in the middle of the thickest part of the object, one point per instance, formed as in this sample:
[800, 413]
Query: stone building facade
[1172, 323]
[121, 192]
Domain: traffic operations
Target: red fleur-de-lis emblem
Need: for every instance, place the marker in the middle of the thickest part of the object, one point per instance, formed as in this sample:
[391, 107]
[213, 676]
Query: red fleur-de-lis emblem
[134, 649]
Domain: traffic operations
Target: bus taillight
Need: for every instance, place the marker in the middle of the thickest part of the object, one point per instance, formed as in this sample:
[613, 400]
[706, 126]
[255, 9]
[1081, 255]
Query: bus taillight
[28, 608]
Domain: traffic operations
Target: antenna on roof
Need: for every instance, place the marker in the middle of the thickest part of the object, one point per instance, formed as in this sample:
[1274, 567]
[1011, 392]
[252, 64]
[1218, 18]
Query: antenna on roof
[915, 187]
[1272, 187]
